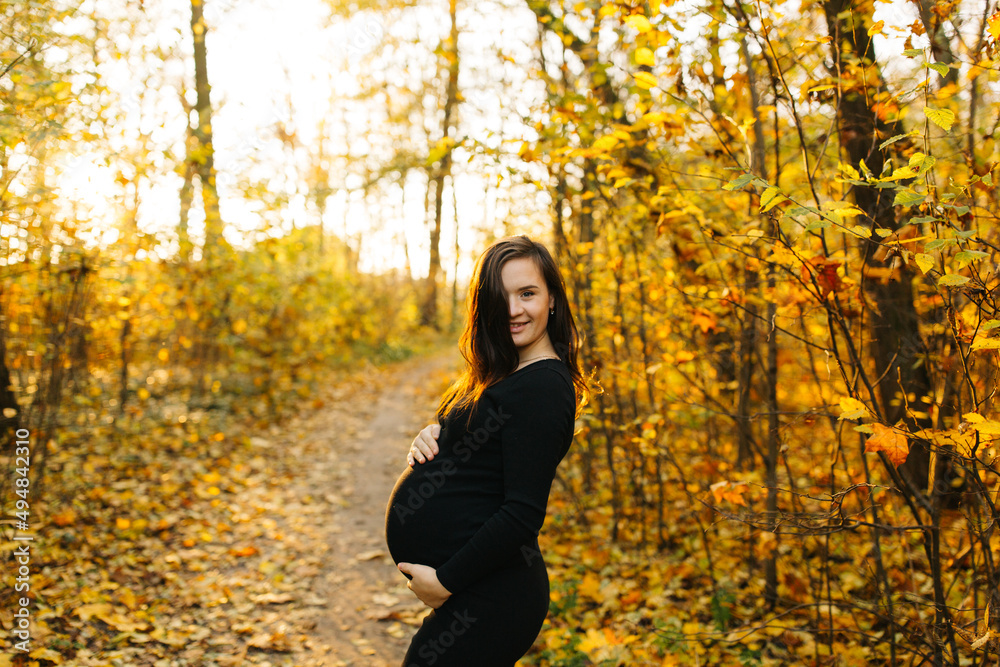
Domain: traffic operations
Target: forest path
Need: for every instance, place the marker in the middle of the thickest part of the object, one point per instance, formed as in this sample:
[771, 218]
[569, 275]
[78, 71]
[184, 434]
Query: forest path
[352, 452]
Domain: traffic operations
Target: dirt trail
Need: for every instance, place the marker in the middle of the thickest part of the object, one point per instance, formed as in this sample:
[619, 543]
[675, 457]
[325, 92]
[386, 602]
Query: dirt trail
[354, 449]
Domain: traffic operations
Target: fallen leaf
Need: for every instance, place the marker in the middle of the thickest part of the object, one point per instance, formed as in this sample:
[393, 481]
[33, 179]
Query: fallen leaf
[272, 598]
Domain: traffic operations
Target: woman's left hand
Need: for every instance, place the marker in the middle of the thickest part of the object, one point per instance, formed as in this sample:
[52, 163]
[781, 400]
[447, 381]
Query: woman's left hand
[425, 584]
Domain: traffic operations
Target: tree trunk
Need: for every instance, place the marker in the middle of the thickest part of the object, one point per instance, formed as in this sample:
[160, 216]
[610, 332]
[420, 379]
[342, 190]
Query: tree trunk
[896, 343]
[429, 316]
[204, 156]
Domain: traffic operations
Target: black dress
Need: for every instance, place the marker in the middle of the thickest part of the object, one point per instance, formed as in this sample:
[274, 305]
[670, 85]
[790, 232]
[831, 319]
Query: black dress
[473, 513]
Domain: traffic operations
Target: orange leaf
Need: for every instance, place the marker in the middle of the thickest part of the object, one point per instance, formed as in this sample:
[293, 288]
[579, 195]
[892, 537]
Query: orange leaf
[243, 551]
[895, 445]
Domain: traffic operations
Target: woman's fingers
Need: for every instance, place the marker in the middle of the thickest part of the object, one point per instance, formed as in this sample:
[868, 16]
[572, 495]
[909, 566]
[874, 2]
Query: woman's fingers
[424, 446]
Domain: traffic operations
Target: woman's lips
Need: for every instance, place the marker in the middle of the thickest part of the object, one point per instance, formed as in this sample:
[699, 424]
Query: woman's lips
[514, 328]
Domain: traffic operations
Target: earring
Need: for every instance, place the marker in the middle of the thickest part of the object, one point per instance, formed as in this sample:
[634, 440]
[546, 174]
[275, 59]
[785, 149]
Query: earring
[552, 312]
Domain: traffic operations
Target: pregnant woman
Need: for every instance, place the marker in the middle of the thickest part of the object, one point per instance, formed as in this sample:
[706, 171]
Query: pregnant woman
[463, 519]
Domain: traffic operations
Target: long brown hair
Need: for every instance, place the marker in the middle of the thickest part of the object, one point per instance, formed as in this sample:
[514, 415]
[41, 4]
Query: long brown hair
[486, 342]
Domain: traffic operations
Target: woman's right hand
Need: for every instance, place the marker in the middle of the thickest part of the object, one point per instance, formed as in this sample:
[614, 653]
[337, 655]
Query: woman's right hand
[424, 446]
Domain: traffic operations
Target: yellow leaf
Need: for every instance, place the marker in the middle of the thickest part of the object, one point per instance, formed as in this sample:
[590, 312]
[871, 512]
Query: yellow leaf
[876, 28]
[239, 326]
[644, 56]
[143, 393]
[770, 198]
[993, 26]
[606, 143]
[644, 80]
[852, 408]
[88, 611]
[123, 623]
[943, 118]
[982, 343]
[163, 355]
[894, 445]
[988, 427]
[639, 22]
[591, 587]
[850, 171]
[48, 654]
[924, 262]
[594, 640]
[122, 523]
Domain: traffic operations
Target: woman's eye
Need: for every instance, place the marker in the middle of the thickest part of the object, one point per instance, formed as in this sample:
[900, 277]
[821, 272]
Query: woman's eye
[529, 293]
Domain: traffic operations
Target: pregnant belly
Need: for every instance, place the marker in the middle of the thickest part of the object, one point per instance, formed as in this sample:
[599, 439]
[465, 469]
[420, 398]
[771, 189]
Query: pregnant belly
[431, 515]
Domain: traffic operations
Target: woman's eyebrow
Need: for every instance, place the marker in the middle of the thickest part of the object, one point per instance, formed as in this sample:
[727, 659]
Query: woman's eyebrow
[521, 289]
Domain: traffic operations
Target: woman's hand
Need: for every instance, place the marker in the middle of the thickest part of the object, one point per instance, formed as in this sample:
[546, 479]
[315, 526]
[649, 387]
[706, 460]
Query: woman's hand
[424, 446]
[424, 583]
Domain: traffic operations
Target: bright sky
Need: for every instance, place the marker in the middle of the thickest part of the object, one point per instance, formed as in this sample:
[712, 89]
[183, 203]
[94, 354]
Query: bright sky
[264, 59]
[271, 66]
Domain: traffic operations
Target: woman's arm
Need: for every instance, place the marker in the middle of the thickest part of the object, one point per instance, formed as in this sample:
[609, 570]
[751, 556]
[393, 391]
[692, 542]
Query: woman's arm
[542, 406]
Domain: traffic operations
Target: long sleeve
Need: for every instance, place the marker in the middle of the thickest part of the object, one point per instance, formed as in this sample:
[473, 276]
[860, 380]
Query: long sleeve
[534, 440]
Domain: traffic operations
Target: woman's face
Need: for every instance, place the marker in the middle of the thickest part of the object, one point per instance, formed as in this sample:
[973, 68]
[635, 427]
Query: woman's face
[529, 303]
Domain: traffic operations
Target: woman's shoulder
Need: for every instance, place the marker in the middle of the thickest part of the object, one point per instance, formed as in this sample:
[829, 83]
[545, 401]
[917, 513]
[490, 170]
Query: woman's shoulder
[550, 374]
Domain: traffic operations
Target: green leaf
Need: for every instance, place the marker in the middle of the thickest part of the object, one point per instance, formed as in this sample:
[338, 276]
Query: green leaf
[952, 280]
[908, 197]
[940, 68]
[922, 162]
[922, 219]
[913, 53]
[966, 257]
[943, 118]
[990, 324]
[819, 224]
[939, 243]
[802, 210]
[738, 183]
[893, 140]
